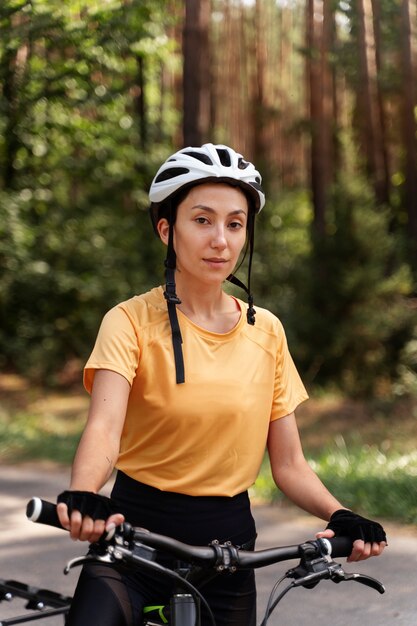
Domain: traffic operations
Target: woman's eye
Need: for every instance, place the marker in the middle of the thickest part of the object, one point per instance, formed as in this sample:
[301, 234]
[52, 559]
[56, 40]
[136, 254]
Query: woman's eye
[201, 220]
[235, 225]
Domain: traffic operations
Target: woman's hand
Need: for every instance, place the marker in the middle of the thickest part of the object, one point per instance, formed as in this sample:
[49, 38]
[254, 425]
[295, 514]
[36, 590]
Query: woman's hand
[86, 516]
[369, 538]
[361, 550]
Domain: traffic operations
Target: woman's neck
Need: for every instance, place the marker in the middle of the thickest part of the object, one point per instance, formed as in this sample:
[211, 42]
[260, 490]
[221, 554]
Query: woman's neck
[208, 307]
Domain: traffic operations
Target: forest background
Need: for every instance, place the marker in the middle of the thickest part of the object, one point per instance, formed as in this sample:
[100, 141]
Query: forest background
[320, 94]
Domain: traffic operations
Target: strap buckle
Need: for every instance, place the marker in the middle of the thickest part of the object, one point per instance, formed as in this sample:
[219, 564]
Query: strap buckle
[172, 298]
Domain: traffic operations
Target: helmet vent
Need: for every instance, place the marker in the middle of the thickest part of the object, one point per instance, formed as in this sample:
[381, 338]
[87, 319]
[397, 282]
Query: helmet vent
[173, 172]
[242, 164]
[204, 158]
[224, 157]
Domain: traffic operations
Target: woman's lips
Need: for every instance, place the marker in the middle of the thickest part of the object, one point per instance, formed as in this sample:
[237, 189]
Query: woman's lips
[215, 263]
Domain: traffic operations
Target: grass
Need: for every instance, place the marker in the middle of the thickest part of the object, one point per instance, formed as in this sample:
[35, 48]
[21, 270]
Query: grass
[28, 438]
[36, 424]
[368, 479]
[364, 478]
[365, 452]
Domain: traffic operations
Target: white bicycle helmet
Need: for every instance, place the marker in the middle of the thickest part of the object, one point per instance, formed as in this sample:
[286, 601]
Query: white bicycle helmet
[209, 163]
[185, 169]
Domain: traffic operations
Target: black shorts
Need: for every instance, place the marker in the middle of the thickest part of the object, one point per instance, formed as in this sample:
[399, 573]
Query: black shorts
[109, 596]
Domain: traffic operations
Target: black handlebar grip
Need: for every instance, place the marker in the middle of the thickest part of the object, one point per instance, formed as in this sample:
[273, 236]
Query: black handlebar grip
[42, 512]
[340, 546]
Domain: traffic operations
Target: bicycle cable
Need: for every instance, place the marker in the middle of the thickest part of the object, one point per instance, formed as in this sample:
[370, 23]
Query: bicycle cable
[169, 574]
[270, 607]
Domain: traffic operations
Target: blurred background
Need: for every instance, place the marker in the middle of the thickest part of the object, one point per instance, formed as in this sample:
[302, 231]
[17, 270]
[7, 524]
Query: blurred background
[322, 96]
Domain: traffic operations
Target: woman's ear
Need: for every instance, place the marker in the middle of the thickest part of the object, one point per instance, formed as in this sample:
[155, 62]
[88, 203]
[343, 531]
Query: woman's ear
[163, 230]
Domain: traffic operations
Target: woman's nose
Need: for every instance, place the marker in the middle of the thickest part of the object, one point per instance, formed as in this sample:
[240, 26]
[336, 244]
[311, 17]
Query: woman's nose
[219, 238]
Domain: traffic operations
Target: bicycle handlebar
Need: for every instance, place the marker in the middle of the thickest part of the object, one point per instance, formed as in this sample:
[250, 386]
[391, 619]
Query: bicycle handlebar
[337, 547]
[137, 546]
[44, 512]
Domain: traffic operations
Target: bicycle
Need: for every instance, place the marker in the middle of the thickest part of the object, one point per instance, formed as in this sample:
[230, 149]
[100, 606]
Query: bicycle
[138, 548]
[37, 601]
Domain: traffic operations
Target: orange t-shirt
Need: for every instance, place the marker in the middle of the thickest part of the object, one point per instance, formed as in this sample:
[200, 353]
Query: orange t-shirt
[206, 436]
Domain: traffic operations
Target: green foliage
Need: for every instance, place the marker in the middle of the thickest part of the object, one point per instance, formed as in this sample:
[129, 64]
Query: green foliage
[282, 246]
[406, 383]
[30, 437]
[362, 477]
[351, 314]
[75, 159]
[368, 479]
[61, 277]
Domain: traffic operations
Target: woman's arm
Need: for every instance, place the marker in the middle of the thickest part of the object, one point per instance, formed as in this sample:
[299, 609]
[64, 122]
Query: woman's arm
[291, 472]
[295, 478]
[97, 451]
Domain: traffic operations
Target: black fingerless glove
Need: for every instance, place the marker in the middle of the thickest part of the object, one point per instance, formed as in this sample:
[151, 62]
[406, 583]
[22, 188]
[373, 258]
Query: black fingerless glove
[87, 503]
[348, 524]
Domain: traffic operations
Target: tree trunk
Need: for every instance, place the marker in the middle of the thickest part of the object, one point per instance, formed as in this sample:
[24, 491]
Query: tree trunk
[140, 102]
[386, 175]
[13, 70]
[260, 140]
[409, 62]
[320, 33]
[196, 79]
[369, 102]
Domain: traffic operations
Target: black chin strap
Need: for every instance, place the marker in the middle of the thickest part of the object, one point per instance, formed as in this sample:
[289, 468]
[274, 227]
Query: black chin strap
[250, 314]
[172, 300]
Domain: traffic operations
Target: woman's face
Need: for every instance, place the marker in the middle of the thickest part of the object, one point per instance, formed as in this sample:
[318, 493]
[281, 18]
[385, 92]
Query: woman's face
[209, 232]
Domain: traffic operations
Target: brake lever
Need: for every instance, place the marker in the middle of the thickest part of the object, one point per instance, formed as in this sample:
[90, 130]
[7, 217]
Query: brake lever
[322, 569]
[87, 558]
[339, 576]
[112, 553]
[308, 574]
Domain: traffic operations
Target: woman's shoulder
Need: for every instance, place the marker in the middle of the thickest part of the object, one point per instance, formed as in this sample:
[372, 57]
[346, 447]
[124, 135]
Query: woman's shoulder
[265, 320]
[142, 309]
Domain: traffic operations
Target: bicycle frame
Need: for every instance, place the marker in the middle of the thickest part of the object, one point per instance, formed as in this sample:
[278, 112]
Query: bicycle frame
[183, 612]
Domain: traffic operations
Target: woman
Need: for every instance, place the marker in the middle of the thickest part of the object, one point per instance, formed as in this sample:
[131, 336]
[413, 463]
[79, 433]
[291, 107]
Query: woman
[188, 385]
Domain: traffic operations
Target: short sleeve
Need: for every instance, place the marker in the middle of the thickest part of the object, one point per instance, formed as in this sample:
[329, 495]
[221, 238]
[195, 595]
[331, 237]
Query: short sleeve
[116, 348]
[289, 390]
